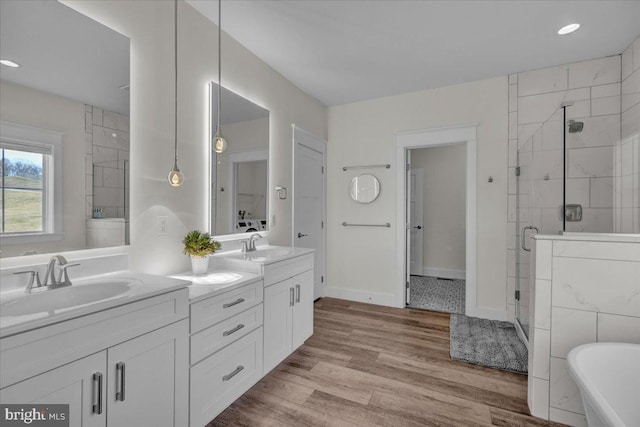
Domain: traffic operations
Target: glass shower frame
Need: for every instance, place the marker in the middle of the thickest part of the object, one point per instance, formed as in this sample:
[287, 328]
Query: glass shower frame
[565, 182]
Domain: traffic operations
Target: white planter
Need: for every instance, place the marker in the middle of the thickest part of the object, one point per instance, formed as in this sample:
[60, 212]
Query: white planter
[199, 265]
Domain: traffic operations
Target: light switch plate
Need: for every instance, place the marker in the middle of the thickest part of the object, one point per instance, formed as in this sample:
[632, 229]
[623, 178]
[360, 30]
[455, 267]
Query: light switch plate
[163, 225]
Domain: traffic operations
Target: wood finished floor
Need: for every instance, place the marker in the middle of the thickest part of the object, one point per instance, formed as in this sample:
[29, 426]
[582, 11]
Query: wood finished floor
[369, 365]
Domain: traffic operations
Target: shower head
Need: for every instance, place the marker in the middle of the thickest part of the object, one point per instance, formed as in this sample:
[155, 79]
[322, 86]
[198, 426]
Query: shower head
[575, 127]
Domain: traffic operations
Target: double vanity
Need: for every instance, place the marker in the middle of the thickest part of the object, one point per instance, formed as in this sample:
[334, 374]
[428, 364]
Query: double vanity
[134, 349]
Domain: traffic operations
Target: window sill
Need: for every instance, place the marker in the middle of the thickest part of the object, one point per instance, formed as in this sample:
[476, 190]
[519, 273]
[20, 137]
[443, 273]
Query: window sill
[18, 239]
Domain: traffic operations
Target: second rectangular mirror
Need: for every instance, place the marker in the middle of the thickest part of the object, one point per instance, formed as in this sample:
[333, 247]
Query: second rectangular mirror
[239, 176]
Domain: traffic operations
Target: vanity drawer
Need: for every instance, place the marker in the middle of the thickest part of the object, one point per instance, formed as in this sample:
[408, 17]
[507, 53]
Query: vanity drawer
[220, 307]
[223, 377]
[212, 339]
[279, 271]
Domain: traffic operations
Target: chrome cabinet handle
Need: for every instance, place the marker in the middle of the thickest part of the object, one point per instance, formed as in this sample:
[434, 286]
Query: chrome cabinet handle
[120, 373]
[300, 235]
[234, 330]
[231, 304]
[96, 408]
[233, 374]
[291, 297]
[297, 293]
[522, 236]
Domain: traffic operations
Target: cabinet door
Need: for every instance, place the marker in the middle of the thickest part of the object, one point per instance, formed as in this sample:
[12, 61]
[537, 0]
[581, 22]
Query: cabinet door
[148, 379]
[73, 384]
[278, 304]
[302, 308]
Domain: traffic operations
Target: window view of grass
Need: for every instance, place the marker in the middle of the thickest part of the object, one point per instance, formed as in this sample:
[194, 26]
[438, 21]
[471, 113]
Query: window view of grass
[22, 192]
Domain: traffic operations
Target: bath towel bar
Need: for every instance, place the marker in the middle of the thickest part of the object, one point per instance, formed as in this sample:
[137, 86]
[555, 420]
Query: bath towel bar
[346, 224]
[387, 166]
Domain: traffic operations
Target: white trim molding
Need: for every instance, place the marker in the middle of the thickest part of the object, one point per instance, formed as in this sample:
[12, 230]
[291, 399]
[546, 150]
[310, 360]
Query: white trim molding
[358, 295]
[464, 134]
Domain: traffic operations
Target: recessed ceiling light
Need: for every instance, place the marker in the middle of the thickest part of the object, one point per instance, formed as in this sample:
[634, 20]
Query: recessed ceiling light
[567, 29]
[9, 63]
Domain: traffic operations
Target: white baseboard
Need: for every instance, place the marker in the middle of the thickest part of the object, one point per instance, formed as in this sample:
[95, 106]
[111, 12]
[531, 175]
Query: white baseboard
[487, 313]
[357, 295]
[445, 273]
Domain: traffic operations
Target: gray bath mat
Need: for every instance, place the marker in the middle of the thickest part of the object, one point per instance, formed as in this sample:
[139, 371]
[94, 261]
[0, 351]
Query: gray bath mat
[432, 293]
[489, 343]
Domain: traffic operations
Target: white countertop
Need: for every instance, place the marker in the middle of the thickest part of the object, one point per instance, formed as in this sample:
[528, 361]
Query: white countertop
[215, 282]
[140, 286]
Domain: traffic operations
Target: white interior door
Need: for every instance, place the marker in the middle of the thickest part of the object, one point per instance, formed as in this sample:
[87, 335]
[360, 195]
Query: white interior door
[309, 201]
[416, 232]
[407, 240]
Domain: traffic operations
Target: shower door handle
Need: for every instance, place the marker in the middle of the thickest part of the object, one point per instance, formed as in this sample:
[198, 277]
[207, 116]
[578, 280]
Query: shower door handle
[522, 236]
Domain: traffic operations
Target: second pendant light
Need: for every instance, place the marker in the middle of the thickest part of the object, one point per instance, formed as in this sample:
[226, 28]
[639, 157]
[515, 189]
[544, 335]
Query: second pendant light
[219, 143]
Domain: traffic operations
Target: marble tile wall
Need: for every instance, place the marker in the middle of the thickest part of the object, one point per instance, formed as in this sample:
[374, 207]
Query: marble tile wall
[536, 141]
[106, 157]
[627, 151]
[586, 289]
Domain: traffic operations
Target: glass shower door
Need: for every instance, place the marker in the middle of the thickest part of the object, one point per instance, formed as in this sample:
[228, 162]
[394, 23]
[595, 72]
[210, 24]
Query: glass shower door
[539, 200]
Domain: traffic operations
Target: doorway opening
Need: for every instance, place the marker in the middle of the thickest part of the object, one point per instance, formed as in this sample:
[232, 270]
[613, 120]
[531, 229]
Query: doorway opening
[437, 236]
[465, 138]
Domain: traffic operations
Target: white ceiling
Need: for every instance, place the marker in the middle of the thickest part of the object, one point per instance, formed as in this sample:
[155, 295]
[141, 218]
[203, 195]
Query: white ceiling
[65, 53]
[352, 50]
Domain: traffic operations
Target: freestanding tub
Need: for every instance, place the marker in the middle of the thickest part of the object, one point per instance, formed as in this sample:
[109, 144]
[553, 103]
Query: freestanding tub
[608, 376]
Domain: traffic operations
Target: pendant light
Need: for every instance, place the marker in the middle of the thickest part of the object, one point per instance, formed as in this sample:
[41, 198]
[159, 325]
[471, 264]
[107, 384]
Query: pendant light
[219, 143]
[175, 176]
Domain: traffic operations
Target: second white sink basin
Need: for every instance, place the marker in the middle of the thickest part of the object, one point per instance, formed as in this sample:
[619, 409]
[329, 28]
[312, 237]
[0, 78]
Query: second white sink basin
[265, 254]
[57, 299]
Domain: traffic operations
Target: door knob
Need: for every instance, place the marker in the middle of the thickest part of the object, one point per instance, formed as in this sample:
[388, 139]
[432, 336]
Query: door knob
[419, 227]
[300, 235]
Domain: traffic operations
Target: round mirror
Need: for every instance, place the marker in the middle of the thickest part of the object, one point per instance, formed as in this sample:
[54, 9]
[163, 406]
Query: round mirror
[365, 188]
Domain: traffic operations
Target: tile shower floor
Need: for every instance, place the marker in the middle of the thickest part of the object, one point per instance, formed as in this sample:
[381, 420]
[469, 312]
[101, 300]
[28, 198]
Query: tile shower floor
[436, 294]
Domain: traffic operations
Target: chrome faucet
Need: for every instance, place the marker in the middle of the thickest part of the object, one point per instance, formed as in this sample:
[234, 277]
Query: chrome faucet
[250, 244]
[61, 281]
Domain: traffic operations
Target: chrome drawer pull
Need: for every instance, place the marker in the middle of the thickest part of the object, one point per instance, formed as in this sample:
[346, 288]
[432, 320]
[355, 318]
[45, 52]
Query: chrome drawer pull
[97, 393]
[233, 374]
[120, 374]
[291, 297]
[231, 304]
[231, 331]
[297, 293]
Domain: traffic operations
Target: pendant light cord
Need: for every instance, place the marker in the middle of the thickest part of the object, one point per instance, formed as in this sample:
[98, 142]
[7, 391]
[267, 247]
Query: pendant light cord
[219, 63]
[175, 40]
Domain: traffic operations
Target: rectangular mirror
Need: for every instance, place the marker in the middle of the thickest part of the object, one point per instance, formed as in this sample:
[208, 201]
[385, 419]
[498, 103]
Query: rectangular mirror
[64, 130]
[239, 175]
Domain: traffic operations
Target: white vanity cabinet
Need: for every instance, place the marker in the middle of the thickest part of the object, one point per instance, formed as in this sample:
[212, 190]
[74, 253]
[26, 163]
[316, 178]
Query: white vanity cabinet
[226, 349]
[288, 308]
[130, 362]
[80, 384]
[144, 379]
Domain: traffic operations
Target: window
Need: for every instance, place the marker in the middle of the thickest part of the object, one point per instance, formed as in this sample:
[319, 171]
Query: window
[30, 195]
[23, 196]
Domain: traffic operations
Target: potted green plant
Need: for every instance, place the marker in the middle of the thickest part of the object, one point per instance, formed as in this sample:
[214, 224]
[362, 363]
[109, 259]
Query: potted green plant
[199, 246]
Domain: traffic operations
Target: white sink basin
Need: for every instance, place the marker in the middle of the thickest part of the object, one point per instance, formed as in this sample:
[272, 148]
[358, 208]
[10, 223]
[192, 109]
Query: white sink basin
[58, 299]
[267, 254]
